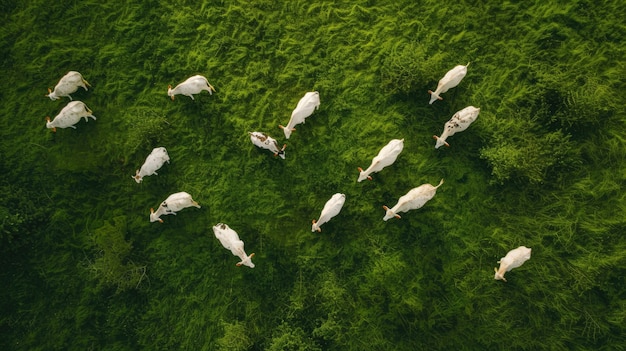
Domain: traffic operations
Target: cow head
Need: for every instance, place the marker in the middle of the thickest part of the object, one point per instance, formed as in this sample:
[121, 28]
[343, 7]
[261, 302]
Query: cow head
[49, 124]
[363, 175]
[440, 142]
[281, 152]
[389, 214]
[154, 217]
[434, 96]
[137, 177]
[499, 274]
[287, 131]
[246, 261]
[52, 95]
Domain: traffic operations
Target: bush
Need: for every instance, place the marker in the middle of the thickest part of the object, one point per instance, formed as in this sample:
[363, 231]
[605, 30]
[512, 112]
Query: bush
[112, 266]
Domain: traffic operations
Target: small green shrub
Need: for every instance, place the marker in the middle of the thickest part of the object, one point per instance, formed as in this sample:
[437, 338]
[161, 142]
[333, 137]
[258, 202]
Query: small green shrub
[112, 266]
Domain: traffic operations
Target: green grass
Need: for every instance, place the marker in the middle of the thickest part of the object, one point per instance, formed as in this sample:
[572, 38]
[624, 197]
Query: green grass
[543, 166]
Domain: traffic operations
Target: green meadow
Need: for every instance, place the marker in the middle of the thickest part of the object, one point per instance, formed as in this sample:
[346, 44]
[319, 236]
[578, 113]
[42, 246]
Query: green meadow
[543, 166]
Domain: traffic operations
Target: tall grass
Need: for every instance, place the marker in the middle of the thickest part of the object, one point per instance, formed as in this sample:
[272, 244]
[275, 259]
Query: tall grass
[542, 166]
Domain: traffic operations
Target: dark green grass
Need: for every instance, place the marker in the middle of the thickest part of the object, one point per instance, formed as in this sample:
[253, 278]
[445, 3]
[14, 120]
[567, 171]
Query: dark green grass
[542, 166]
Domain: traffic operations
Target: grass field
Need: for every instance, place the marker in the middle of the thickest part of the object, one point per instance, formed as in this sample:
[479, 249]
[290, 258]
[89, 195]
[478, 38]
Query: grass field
[542, 166]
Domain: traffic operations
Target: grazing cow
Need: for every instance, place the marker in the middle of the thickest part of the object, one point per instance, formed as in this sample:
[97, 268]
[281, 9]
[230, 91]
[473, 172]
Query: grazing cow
[452, 78]
[513, 259]
[153, 162]
[414, 199]
[458, 123]
[70, 115]
[231, 241]
[68, 84]
[193, 85]
[309, 103]
[385, 157]
[171, 205]
[330, 210]
[265, 141]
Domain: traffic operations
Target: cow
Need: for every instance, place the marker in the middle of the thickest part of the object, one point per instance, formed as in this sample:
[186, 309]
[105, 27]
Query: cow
[193, 85]
[69, 116]
[265, 141]
[67, 85]
[330, 210]
[386, 157]
[513, 259]
[414, 199]
[230, 240]
[306, 106]
[451, 79]
[171, 205]
[153, 162]
[458, 123]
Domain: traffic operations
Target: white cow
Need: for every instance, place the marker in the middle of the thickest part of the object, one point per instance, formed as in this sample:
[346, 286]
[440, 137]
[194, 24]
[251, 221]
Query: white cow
[265, 141]
[414, 199]
[385, 157]
[68, 84]
[171, 205]
[231, 241]
[309, 103]
[513, 259]
[153, 162]
[193, 85]
[330, 210]
[451, 79]
[458, 123]
[70, 115]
